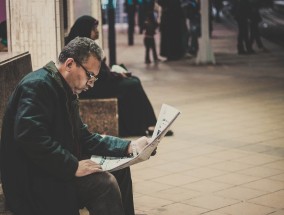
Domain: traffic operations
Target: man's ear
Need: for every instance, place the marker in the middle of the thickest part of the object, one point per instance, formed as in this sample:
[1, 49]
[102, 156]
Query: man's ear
[68, 63]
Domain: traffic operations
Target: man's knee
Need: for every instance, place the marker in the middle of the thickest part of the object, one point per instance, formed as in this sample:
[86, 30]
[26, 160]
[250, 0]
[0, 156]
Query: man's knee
[109, 181]
[105, 181]
[97, 185]
[102, 196]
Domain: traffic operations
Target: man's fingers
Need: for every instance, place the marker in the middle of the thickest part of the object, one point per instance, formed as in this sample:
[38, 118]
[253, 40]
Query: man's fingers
[154, 152]
[87, 167]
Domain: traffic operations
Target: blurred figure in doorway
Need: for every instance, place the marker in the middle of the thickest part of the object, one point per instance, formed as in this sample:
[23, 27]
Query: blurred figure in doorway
[173, 30]
[130, 9]
[242, 14]
[218, 5]
[3, 36]
[255, 19]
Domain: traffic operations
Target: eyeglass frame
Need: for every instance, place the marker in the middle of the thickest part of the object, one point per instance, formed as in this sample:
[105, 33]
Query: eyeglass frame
[90, 75]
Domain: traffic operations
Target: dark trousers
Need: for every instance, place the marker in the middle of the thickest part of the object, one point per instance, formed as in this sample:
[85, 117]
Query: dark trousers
[131, 24]
[106, 193]
[243, 38]
[150, 44]
[255, 35]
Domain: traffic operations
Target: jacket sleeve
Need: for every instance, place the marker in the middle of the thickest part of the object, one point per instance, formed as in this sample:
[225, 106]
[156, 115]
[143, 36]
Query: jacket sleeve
[95, 144]
[33, 123]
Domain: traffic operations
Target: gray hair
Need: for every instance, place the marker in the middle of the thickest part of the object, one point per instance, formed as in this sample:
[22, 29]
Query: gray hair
[80, 49]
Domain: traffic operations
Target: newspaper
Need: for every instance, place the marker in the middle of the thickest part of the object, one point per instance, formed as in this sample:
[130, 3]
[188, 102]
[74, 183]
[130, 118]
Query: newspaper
[166, 117]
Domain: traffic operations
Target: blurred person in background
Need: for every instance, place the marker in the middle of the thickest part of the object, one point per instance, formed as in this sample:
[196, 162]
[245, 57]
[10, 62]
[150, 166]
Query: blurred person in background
[150, 26]
[218, 5]
[130, 9]
[242, 12]
[172, 30]
[3, 36]
[255, 19]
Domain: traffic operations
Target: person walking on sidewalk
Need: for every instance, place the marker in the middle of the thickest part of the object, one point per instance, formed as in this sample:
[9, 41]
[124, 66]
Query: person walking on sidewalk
[172, 30]
[242, 14]
[255, 19]
[130, 9]
[45, 147]
[150, 26]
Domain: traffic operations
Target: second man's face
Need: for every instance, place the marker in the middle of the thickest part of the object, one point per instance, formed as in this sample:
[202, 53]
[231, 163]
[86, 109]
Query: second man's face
[95, 34]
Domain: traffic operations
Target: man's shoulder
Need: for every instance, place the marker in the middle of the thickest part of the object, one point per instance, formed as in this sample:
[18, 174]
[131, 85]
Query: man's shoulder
[40, 75]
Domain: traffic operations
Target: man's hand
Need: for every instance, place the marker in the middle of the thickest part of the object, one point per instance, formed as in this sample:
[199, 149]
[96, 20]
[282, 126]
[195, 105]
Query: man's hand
[138, 145]
[87, 167]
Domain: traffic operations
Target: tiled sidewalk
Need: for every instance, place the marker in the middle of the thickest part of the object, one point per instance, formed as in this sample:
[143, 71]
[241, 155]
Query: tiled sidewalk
[227, 153]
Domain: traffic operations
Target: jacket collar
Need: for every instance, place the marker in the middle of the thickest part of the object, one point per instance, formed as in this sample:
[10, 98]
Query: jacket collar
[52, 69]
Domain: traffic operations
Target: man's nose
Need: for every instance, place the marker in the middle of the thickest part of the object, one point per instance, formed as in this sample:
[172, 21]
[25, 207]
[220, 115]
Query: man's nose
[90, 84]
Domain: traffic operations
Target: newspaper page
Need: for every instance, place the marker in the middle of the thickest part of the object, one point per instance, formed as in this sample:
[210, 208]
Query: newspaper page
[167, 116]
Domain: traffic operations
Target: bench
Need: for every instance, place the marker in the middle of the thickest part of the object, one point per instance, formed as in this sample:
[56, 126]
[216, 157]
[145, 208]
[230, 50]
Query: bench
[13, 67]
[101, 115]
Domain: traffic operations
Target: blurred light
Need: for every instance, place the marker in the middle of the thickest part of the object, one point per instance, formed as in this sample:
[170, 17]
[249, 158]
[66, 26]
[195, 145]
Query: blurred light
[265, 25]
[110, 3]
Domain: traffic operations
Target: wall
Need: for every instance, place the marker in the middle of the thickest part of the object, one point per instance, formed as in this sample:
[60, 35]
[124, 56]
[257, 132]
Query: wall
[36, 26]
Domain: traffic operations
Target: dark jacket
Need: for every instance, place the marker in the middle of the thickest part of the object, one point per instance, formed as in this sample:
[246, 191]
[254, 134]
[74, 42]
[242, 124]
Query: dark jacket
[42, 140]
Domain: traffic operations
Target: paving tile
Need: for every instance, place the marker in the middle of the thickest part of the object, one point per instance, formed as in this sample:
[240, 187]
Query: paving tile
[173, 167]
[231, 166]
[202, 161]
[147, 174]
[240, 193]
[245, 208]
[279, 177]
[176, 194]
[204, 172]
[178, 208]
[279, 151]
[275, 200]
[279, 212]
[235, 178]
[207, 186]
[275, 142]
[210, 202]
[214, 213]
[260, 171]
[256, 147]
[258, 159]
[147, 187]
[266, 185]
[205, 149]
[276, 164]
[177, 179]
[146, 203]
[230, 154]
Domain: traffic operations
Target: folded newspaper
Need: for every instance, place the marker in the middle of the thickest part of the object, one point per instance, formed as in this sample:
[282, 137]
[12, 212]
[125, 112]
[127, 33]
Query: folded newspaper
[166, 117]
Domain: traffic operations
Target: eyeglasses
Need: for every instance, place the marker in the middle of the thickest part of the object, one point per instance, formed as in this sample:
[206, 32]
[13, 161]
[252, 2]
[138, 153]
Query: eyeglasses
[90, 75]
